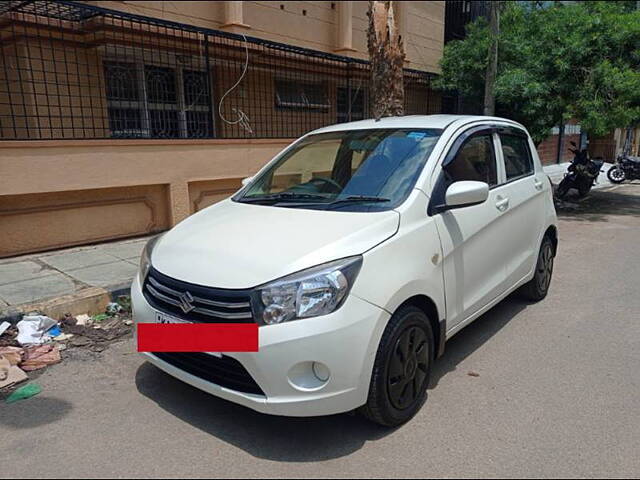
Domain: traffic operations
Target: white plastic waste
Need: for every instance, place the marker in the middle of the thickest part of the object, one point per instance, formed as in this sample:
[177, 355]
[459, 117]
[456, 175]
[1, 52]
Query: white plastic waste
[32, 329]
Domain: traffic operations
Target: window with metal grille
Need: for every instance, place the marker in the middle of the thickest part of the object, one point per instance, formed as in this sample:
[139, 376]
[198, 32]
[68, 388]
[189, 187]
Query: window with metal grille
[149, 101]
[351, 104]
[292, 94]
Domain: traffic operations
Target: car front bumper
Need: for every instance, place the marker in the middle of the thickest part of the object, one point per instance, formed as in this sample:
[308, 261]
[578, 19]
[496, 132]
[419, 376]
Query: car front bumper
[345, 342]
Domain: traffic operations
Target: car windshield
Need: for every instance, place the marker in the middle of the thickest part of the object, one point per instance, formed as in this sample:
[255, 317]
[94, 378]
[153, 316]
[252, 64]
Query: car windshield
[357, 170]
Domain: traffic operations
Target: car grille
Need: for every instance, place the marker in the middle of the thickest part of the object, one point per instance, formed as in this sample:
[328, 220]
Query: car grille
[197, 303]
[226, 371]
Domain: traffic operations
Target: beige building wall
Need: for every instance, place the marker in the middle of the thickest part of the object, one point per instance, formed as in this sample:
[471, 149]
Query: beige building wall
[64, 193]
[306, 24]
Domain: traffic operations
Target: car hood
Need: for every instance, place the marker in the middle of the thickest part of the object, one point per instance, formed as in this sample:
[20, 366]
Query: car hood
[237, 245]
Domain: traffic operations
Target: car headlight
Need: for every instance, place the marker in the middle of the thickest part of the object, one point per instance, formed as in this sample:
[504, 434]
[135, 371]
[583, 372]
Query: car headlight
[145, 258]
[310, 293]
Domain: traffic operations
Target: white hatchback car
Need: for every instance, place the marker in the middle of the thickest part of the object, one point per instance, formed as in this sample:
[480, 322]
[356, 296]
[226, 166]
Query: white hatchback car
[358, 250]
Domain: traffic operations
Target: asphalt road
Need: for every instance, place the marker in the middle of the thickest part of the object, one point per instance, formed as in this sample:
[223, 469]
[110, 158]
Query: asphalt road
[558, 394]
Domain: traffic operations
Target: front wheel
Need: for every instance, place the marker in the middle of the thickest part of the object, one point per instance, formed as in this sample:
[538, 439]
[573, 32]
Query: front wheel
[563, 188]
[584, 188]
[401, 370]
[616, 174]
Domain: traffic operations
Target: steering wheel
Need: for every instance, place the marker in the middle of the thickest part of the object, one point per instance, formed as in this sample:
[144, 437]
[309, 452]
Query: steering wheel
[318, 182]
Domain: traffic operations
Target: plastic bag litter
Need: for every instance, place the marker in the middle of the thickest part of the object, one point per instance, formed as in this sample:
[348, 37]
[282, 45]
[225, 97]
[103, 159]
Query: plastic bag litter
[32, 329]
[25, 392]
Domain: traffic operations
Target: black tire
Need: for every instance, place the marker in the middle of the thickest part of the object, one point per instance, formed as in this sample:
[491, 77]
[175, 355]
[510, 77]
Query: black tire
[538, 287]
[563, 189]
[583, 189]
[616, 174]
[401, 370]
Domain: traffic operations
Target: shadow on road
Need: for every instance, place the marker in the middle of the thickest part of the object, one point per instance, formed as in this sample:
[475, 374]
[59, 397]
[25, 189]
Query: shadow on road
[595, 207]
[473, 336]
[34, 412]
[263, 436]
[300, 439]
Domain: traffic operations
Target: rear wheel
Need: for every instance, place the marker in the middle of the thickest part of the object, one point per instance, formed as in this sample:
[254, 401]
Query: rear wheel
[616, 174]
[538, 287]
[401, 370]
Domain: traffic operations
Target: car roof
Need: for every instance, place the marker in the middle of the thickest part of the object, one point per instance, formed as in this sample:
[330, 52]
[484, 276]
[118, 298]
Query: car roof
[411, 121]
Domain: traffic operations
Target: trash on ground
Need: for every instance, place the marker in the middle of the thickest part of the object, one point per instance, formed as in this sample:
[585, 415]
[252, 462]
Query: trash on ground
[40, 356]
[32, 329]
[63, 337]
[100, 317]
[4, 326]
[473, 374]
[22, 393]
[13, 354]
[54, 331]
[68, 319]
[113, 308]
[83, 319]
[10, 374]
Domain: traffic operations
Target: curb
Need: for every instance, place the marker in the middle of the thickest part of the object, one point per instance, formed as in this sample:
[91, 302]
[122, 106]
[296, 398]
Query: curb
[92, 301]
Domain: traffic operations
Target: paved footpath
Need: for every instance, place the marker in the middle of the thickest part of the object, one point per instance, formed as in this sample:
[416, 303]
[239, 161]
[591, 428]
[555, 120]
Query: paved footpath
[558, 394]
[31, 278]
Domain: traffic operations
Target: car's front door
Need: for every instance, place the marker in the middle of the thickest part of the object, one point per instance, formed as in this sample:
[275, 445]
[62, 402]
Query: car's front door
[473, 238]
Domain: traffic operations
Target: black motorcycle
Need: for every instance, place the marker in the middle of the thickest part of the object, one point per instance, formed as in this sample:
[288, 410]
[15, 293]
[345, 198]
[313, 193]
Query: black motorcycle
[626, 168]
[581, 174]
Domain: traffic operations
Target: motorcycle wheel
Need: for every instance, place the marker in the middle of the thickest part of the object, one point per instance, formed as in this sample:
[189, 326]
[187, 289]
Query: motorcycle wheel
[562, 189]
[616, 174]
[583, 189]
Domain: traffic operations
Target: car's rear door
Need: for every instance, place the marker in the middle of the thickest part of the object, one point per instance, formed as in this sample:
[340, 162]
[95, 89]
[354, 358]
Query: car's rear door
[523, 186]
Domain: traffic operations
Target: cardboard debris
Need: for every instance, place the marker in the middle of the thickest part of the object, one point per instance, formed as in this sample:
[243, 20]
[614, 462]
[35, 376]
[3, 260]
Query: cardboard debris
[83, 319]
[13, 354]
[41, 356]
[14, 375]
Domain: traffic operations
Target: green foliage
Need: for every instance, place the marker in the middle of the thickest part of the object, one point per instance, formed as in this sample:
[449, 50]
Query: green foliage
[555, 62]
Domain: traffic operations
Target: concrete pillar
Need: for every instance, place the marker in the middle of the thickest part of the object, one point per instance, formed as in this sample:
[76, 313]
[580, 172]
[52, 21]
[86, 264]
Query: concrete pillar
[344, 27]
[234, 16]
[179, 201]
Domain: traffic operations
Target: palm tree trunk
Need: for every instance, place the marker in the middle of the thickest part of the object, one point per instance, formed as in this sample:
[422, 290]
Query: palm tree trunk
[387, 61]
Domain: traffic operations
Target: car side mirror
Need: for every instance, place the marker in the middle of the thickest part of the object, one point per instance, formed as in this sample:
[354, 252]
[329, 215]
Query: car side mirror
[465, 194]
[246, 181]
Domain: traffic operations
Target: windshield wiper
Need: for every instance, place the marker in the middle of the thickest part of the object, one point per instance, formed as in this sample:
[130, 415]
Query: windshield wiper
[359, 199]
[278, 197]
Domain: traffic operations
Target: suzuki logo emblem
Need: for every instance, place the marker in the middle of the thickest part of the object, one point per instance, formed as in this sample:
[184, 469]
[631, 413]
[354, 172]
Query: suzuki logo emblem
[185, 302]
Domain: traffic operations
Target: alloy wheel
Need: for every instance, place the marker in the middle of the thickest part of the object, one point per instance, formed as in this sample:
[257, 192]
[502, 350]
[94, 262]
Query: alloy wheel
[617, 174]
[408, 367]
[545, 267]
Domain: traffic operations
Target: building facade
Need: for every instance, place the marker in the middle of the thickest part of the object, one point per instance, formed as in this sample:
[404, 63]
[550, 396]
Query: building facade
[121, 118]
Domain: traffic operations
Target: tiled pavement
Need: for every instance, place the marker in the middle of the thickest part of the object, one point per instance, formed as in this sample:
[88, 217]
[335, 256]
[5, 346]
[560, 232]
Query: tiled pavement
[31, 278]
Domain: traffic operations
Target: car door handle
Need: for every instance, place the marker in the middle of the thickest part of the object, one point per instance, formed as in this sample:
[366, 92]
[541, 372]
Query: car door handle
[502, 203]
[538, 184]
